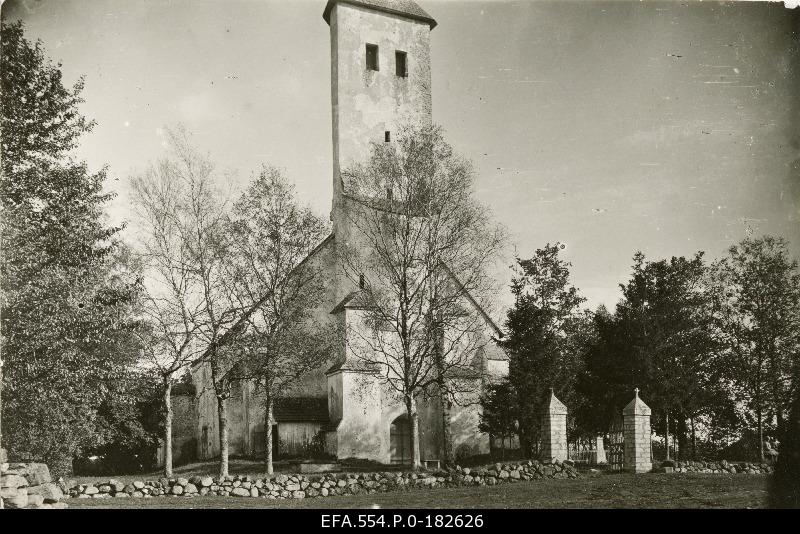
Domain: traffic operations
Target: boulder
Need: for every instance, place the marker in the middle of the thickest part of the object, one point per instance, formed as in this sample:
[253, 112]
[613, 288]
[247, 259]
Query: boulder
[7, 493]
[50, 492]
[35, 501]
[20, 500]
[190, 488]
[240, 492]
[182, 481]
[13, 481]
[90, 490]
[177, 489]
[138, 484]
[206, 482]
[35, 474]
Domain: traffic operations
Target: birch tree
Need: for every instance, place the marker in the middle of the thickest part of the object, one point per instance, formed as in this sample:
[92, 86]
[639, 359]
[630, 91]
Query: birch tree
[272, 237]
[170, 307]
[215, 317]
[421, 249]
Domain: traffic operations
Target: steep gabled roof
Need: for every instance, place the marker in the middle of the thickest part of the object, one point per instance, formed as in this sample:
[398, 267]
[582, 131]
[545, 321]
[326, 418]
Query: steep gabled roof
[404, 8]
[473, 301]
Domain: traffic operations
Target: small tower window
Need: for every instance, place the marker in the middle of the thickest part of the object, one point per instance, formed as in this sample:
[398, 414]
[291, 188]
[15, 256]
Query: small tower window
[401, 69]
[372, 57]
[361, 282]
[387, 136]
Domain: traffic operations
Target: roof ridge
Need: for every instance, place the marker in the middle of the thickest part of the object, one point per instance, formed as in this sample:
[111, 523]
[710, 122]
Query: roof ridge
[404, 8]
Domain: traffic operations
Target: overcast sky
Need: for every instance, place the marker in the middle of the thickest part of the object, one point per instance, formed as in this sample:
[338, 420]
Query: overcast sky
[666, 127]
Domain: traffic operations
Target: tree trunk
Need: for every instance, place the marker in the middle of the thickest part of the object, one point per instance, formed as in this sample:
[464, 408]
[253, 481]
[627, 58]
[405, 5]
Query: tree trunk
[447, 433]
[444, 400]
[666, 432]
[524, 443]
[268, 432]
[682, 433]
[167, 428]
[760, 434]
[222, 412]
[694, 440]
[413, 417]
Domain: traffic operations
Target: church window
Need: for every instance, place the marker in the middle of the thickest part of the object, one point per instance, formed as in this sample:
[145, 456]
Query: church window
[372, 57]
[387, 136]
[401, 69]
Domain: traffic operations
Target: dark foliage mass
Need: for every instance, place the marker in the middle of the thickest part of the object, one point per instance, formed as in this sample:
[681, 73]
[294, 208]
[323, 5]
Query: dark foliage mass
[68, 287]
[712, 347]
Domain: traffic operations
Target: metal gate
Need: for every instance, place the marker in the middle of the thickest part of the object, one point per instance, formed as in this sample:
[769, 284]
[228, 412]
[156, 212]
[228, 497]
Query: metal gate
[615, 447]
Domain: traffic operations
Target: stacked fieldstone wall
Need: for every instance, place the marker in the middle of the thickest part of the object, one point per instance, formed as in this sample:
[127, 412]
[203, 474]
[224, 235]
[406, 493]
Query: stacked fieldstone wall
[324, 485]
[29, 486]
[722, 467]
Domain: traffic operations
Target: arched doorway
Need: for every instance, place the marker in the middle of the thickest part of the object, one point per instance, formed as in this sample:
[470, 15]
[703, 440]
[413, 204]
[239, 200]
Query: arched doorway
[400, 441]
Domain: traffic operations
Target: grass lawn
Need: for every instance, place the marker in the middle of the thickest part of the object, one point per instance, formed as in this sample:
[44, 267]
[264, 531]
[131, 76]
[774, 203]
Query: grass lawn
[681, 490]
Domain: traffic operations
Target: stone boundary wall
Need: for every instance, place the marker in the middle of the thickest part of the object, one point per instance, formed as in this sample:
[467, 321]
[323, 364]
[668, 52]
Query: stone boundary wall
[324, 485]
[29, 486]
[722, 467]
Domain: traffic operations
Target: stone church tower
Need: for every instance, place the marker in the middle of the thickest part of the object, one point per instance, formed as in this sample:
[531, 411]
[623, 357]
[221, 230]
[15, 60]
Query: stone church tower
[380, 78]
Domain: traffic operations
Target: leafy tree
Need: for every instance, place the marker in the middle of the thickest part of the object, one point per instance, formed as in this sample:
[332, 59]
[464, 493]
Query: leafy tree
[272, 236]
[757, 289]
[667, 307]
[420, 253]
[67, 285]
[545, 313]
[660, 340]
[499, 415]
[131, 423]
[169, 304]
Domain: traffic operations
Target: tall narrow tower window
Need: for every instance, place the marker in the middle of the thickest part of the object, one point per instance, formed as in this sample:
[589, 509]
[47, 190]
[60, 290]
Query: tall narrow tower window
[372, 57]
[401, 68]
[361, 281]
[387, 136]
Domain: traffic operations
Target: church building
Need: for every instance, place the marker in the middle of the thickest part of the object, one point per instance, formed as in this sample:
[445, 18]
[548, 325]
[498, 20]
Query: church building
[380, 78]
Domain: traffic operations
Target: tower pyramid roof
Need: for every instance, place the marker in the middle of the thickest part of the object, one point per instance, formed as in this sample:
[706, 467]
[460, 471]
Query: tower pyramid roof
[406, 8]
[636, 406]
[555, 406]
